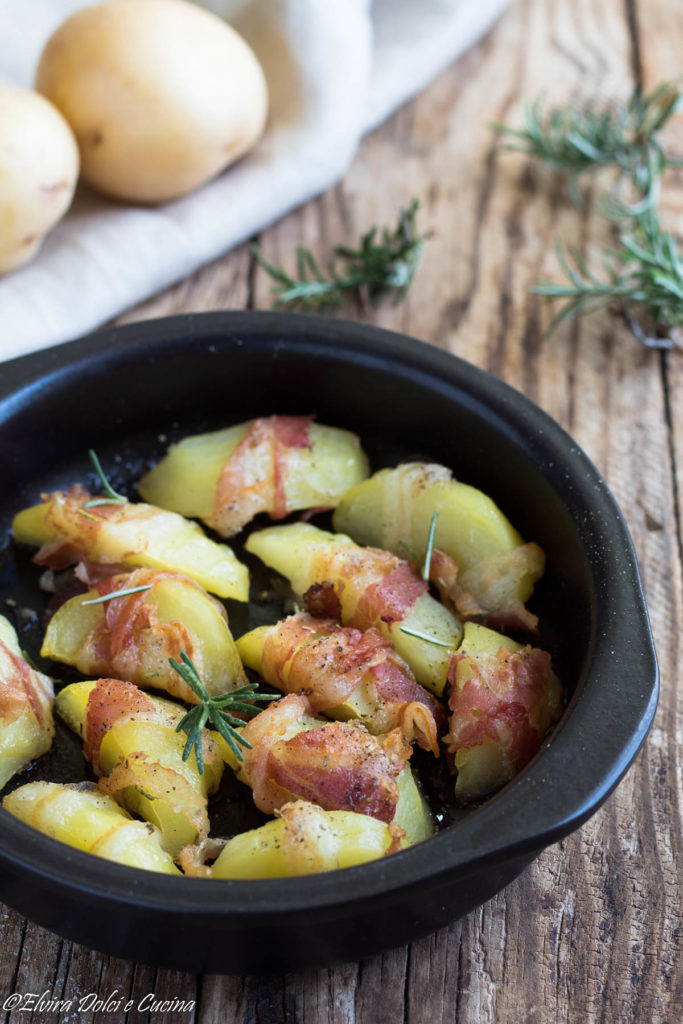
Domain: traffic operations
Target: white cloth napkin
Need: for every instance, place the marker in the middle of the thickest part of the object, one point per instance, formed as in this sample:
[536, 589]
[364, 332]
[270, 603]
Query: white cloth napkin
[335, 69]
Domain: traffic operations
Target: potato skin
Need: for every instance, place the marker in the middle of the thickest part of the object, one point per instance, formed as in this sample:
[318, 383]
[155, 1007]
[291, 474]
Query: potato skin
[161, 95]
[38, 172]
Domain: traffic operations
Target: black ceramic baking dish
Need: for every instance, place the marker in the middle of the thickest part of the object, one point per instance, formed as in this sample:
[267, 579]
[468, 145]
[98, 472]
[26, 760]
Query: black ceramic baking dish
[117, 391]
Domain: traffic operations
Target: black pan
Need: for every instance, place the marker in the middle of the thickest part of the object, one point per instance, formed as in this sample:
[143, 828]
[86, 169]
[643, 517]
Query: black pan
[127, 392]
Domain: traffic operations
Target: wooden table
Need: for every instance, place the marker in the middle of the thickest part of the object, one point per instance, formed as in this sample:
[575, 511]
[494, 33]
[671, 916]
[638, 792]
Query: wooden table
[592, 931]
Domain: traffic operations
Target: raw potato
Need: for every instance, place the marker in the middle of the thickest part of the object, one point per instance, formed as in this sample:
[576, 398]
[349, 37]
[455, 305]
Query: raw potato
[38, 173]
[161, 94]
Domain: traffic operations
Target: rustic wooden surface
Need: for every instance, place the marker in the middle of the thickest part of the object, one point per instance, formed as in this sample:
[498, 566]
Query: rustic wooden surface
[592, 931]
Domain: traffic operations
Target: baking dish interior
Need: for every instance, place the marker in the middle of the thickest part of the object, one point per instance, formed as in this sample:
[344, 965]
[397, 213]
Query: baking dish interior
[128, 393]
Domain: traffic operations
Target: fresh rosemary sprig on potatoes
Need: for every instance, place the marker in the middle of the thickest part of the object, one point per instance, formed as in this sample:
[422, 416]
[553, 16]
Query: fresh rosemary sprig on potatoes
[215, 710]
[643, 273]
[112, 497]
[384, 264]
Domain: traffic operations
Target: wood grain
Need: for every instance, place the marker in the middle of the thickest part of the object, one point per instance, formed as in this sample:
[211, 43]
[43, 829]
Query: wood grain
[592, 931]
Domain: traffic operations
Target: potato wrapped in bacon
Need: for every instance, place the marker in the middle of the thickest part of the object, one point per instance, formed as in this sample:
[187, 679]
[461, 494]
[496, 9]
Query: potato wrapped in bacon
[90, 821]
[504, 699]
[336, 765]
[364, 588]
[480, 563]
[26, 725]
[276, 464]
[133, 636]
[130, 739]
[109, 537]
[303, 840]
[345, 674]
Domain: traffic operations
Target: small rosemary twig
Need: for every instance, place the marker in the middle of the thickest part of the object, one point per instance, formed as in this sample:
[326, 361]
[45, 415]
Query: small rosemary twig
[117, 593]
[113, 497]
[215, 710]
[425, 565]
[384, 264]
[424, 636]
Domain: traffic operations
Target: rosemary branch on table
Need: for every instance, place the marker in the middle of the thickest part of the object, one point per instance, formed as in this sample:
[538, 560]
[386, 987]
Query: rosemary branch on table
[626, 137]
[643, 273]
[384, 264]
[216, 710]
[643, 276]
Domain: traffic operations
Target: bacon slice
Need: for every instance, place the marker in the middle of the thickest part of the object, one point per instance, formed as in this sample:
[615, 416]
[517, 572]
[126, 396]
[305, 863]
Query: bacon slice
[328, 663]
[338, 766]
[373, 586]
[489, 591]
[131, 642]
[77, 532]
[253, 478]
[26, 696]
[23, 689]
[505, 701]
[112, 701]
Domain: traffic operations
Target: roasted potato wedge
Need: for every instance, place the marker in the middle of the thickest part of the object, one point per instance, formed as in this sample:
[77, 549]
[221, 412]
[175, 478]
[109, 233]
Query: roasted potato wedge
[114, 536]
[303, 840]
[133, 636]
[276, 465]
[90, 821]
[26, 725]
[131, 741]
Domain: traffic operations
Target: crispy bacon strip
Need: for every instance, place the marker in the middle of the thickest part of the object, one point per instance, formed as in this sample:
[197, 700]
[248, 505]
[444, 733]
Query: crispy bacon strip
[328, 663]
[253, 478]
[112, 701]
[338, 766]
[487, 591]
[23, 689]
[510, 699]
[77, 531]
[372, 586]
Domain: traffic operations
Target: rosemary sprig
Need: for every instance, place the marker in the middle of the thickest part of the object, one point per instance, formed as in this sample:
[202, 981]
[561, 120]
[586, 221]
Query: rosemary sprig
[643, 278]
[577, 140]
[643, 274]
[384, 264]
[215, 710]
[424, 636]
[117, 593]
[113, 497]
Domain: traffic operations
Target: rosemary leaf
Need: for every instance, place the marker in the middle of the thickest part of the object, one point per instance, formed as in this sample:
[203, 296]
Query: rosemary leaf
[112, 496]
[430, 547]
[117, 593]
[424, 636]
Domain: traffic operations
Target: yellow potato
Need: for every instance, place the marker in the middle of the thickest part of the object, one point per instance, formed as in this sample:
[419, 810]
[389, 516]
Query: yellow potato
[161, 95]
[90, 821]
[302, 840]
[38, 172]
